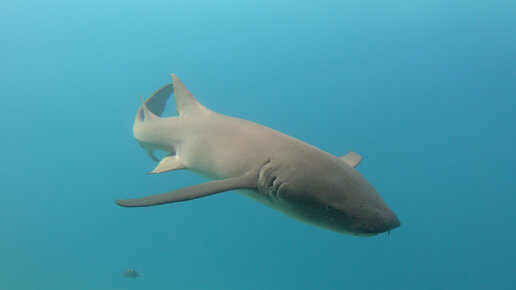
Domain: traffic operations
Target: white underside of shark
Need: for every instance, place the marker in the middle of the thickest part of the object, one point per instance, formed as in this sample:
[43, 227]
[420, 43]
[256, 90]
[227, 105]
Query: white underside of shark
[268, 166]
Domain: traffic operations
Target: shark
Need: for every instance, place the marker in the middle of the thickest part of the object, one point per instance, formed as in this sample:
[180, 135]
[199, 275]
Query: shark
[270, 167]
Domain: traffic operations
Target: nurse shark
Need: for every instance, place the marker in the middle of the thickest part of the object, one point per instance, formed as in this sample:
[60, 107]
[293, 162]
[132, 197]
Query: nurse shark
[277, 170]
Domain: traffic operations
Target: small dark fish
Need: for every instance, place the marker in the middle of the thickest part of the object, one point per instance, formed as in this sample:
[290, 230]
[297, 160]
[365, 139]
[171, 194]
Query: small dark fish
[131, 273]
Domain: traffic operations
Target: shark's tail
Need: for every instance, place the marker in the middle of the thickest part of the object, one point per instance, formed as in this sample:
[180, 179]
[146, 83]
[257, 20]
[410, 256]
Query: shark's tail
[155, 105]
[148, 117]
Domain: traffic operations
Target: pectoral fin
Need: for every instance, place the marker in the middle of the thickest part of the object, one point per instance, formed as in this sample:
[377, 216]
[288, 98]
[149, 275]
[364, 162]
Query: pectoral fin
[193, 192]
[352, 158]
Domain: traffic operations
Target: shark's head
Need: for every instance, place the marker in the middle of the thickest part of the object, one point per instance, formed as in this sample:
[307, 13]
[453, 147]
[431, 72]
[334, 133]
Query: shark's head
[372, 218]
[360, 210]
[364, 212]
[355, 213]
[337, 198]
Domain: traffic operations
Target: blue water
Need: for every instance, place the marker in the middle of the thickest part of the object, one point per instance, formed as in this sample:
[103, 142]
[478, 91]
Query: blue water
[425, 91]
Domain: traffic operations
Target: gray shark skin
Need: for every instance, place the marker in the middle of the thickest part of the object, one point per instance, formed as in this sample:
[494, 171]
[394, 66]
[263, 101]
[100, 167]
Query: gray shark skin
[277, 170]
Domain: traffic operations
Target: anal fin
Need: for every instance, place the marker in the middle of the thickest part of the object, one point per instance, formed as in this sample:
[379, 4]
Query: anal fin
[169, 163]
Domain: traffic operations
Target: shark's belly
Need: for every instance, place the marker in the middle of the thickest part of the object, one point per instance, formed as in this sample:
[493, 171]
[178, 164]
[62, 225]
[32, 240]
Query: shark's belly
[227, 147]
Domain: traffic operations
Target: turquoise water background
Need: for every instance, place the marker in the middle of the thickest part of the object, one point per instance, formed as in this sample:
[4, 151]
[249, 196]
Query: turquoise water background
[425, 91]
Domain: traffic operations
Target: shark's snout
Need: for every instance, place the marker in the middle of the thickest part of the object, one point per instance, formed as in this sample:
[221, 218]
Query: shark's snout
[389, 223]
[379, 222]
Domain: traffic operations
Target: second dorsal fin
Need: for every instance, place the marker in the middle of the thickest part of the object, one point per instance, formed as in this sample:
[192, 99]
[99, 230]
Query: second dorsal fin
[185, 102]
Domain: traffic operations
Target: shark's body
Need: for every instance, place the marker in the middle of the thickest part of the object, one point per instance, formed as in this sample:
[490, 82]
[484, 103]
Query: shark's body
[268, 166]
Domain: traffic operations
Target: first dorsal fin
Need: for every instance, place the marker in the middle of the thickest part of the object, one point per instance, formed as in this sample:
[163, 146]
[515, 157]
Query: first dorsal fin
[185, 101]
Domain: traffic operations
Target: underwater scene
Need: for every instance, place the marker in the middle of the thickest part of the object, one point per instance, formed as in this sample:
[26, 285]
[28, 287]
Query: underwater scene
[257, 144]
